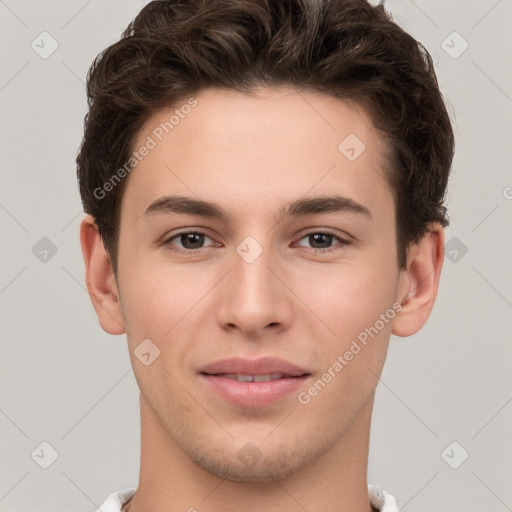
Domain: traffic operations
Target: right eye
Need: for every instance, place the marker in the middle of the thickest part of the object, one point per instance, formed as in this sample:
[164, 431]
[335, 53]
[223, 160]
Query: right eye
[192, 239]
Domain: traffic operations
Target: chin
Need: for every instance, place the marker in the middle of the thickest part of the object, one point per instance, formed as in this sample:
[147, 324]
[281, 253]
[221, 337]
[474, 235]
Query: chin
[254, 459]
[266, 469]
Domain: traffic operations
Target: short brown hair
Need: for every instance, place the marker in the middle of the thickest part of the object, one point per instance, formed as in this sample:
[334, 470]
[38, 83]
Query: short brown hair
[347, 49]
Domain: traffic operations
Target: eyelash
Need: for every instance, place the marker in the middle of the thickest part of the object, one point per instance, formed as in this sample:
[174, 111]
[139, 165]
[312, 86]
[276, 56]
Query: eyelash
[191, 252]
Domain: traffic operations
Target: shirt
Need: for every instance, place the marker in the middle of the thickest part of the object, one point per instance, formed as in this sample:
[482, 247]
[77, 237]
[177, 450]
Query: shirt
[379, 498]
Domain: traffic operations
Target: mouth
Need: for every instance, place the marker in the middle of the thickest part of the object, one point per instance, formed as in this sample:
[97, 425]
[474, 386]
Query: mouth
[252, 383]
[240, 377]
[273, 367]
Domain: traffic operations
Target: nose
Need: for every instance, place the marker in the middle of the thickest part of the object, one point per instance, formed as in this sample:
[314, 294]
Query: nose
[254, 297]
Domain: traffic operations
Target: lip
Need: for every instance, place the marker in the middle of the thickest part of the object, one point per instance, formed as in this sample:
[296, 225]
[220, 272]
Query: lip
[261, 366]
[253, 394]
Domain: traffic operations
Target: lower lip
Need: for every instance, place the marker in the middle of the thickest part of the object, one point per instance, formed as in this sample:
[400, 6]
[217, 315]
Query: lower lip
[254, 394]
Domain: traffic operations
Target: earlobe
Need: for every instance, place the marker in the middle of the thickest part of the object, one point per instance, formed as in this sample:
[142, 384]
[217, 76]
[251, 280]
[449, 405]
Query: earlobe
[99, 278]
[423, 272]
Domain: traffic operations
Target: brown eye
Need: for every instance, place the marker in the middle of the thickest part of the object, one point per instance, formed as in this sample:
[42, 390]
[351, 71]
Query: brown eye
[321, 241]
[190, 241]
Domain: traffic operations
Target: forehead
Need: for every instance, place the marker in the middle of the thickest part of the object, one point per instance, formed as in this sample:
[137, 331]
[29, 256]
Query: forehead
[247, 148]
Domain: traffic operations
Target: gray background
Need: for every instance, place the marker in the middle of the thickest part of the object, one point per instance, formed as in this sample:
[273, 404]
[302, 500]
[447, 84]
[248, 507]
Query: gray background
[66, 382]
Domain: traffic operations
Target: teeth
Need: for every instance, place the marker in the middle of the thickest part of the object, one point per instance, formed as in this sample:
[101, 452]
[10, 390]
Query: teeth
[270, 376]
[253, 378]
[243, 378]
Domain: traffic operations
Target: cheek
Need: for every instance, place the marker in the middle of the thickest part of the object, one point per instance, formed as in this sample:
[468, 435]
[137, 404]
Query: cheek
[166, 301]
[353, 349]
[349, 298]
[153, 302]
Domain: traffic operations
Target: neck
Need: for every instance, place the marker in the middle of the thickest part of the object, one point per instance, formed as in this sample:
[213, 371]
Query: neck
[169, 481]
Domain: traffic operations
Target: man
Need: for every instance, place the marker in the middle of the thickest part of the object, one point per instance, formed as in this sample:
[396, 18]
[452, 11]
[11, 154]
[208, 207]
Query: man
[264, 186]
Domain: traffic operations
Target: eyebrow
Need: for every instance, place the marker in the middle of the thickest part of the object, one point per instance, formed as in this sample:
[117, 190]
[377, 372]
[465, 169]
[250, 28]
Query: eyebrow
[175, 204]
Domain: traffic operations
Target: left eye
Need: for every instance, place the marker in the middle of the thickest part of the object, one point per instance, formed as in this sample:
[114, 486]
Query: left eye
[322, 238]
[193, 240]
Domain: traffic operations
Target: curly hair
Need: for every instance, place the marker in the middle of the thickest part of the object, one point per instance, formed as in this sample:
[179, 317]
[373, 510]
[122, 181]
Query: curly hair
[347, 49]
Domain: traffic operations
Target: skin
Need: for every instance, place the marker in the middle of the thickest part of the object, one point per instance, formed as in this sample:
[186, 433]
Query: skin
[250, 153]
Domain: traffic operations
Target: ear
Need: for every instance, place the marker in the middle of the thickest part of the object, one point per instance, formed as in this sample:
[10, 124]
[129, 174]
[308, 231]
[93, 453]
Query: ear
[100, 279]
[419, 282]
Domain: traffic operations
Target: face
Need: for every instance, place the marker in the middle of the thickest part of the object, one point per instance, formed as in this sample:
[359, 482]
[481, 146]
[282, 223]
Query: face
[301, 284]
